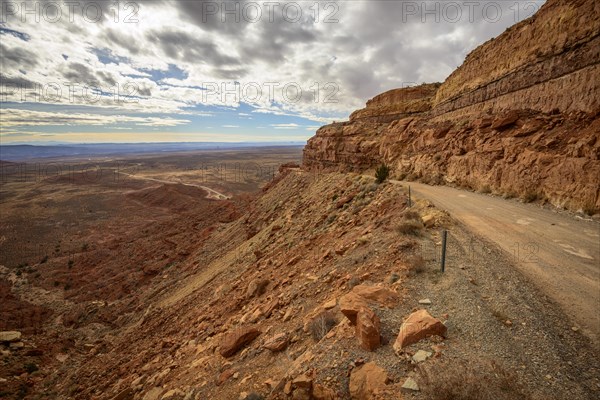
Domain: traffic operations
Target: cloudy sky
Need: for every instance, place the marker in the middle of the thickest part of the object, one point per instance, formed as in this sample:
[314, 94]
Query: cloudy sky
[153, 71]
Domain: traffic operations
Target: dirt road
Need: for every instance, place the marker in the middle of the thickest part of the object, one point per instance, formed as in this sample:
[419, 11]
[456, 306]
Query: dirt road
[557, 251]
[211, 193]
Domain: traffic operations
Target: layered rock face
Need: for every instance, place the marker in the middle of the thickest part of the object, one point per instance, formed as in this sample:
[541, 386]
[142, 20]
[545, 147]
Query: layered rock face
[520, 117]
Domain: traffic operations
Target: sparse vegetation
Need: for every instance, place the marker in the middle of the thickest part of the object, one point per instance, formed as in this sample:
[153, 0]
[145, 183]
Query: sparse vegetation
[409, 227]
[410, 215]
[70, 264]
[415, 264]
[509, 194]
[30, 368]
[410, 223]
[485, 189]
[529, 196]
[353, 281]
[394, 277]
[44, 260]
[322, 324]
[469, 380]
[382, 173]
[589, 208]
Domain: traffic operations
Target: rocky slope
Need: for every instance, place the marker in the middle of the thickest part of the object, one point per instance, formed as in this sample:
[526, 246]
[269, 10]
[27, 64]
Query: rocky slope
[325, 289]
[520, 117]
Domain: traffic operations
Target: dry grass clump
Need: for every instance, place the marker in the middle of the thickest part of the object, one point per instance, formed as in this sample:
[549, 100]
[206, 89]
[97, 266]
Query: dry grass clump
[409, 224]
[485, 189]
[322, 324]
[410, 215]
[589, 208]
[529, 196]
[415, 264]
[470, 380]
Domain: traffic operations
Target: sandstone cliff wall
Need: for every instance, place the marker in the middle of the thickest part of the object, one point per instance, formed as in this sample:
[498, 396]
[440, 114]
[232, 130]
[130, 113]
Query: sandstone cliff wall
[520, 117]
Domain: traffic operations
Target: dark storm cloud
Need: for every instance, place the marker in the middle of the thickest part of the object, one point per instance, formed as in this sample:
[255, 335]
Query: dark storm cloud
[180, 45]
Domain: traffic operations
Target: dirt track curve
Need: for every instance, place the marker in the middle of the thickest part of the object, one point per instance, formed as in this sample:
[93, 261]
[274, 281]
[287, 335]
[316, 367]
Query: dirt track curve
[557, 251]
[211, 193]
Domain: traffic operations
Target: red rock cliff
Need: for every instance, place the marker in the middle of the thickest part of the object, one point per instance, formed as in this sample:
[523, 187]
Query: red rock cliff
[520, 117]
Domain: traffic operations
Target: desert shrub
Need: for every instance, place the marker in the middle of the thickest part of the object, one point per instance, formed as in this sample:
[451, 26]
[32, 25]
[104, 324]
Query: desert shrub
[70, 264]
[30, 368]
[529, 196]
[509, 194]
[485, 189]
[410, 215]
[394, 277]
[353, 281]
[436, 179]
[322, 324]
[44, 259]
[412, 177]
[409, 227]
[410, 223]
[415, 264]
[589, 208]
[381, 174]
[261, 287]
[469, 380]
